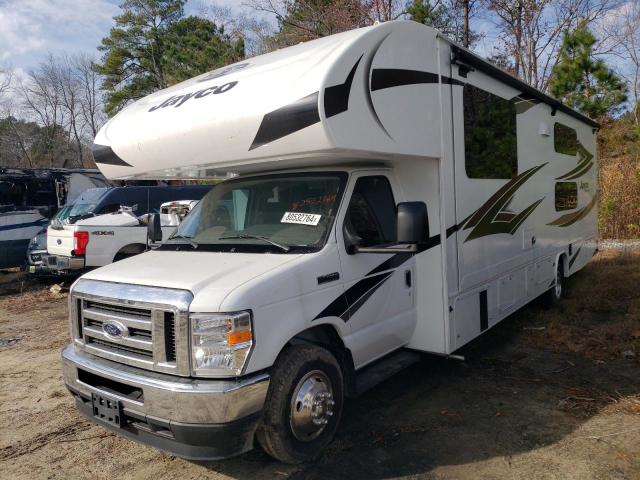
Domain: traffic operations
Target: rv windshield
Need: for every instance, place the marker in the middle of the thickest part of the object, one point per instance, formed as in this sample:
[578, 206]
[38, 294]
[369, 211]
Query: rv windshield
[282, 212]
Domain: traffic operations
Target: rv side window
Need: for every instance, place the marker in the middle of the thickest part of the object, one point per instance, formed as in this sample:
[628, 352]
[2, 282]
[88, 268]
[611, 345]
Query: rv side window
[490, 139]
[566, 196]
[565, 139]
[372, 211]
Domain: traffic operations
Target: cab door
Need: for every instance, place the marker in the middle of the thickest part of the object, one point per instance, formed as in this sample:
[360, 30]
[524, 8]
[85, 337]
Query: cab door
[378, 287]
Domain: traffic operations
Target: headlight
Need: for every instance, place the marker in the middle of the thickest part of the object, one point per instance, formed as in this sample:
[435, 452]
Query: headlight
[220, 343]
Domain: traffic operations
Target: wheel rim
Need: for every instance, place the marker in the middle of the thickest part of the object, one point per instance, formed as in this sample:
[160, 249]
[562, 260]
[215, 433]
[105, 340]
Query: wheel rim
[558, 285]
[311, 406]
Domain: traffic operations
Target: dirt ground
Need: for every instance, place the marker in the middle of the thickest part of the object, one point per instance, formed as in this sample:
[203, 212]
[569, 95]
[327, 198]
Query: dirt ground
[545, 395]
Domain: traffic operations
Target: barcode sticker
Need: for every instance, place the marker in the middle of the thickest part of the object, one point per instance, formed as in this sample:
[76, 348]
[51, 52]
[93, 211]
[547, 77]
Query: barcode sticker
[301, 218]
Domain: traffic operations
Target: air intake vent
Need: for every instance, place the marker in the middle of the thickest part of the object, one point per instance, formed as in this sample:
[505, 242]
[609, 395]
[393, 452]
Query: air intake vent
[170, 336]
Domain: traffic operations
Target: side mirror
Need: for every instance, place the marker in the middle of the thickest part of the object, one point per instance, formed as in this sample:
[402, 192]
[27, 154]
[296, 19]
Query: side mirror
[412, 223]
[154, 232]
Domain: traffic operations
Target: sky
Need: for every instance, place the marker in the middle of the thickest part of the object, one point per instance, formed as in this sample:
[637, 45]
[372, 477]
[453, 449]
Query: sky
[30, 29]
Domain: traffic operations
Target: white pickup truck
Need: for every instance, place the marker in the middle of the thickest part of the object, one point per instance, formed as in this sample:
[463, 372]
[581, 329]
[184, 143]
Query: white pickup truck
[103, 239]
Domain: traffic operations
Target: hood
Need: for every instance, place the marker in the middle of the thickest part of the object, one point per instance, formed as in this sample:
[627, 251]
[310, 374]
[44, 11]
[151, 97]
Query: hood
[219, 272]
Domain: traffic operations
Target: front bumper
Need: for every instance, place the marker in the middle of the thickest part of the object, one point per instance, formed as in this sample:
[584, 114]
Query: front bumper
[192, 418]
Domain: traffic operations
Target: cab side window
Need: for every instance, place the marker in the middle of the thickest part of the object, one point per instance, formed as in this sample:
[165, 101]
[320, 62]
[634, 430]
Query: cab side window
[371, 216]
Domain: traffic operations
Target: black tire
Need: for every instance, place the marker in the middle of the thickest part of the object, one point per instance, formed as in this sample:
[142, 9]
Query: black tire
[553, 296]
[121, 256]
[276, 431]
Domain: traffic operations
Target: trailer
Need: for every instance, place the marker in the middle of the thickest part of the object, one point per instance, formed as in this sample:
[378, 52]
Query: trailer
[397, 194]
[29, 198]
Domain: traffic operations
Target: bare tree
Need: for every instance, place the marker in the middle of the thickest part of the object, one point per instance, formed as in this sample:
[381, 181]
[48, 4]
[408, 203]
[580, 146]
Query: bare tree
[41, 101]
[90, 96]
[62, 96]
[384, 10]
[6, 82]
[622, 33]
[303, 20]
[531, 30]
[66, 81]
[256, 32]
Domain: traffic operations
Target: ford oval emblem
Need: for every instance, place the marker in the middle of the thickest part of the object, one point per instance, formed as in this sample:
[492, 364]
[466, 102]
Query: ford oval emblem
[115, 330]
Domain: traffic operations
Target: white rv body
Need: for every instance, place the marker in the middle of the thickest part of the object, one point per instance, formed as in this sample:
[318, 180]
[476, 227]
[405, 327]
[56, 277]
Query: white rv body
[391, 103]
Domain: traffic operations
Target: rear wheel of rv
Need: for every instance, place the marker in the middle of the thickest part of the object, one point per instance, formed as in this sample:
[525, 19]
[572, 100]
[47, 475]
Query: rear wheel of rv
[304, 404]
[553, 296]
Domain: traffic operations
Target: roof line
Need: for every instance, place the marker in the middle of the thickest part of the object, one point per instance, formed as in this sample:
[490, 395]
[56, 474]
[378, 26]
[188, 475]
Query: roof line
[464, 56]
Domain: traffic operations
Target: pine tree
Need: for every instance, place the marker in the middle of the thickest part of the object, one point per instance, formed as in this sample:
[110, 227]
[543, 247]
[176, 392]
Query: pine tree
[153, 46]
[584, 82]
[451, 17]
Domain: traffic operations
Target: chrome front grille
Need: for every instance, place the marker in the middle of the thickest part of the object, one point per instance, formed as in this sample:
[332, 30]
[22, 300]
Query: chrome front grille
[153, 322]
[139, 341]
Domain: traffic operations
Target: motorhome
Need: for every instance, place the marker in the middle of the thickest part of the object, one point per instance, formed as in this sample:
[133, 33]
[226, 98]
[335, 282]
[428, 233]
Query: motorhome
[108, 225]
[396, 194]
[29, 198]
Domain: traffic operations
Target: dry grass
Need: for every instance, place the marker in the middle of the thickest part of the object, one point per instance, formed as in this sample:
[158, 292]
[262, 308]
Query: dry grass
[624, 404]
[619, 180]
[600, 316]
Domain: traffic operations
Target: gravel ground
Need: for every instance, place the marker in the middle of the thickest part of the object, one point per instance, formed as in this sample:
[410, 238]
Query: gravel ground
[534, 399]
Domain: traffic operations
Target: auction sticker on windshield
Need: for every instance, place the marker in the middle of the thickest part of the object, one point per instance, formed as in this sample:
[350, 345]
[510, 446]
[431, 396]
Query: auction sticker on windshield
[301, 218]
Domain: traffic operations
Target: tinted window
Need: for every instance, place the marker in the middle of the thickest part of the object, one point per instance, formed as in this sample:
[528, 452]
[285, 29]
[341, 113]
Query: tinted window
[372, 212]
[566, 195]
[565, 139]
[489, 135]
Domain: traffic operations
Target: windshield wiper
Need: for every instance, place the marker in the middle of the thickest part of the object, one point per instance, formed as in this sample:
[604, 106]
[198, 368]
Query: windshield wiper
[284, 248]
[191, 241]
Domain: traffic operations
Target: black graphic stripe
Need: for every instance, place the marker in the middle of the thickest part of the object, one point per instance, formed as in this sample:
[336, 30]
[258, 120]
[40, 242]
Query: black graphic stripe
[452, 81]
[336, 98]
[348, 303]
[355, 306]
[572, 261]
[382, 78]
[399, 258]
[105, 155]
[393, 262]
[367, 86]
[335, 308]
[16, 226]
[392, 77]
[287, 120]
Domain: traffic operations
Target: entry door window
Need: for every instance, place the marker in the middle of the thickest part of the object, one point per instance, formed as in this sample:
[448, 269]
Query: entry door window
[372, 212]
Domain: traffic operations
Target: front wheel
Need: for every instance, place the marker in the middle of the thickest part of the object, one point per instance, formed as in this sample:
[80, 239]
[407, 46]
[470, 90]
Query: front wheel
[304, 404]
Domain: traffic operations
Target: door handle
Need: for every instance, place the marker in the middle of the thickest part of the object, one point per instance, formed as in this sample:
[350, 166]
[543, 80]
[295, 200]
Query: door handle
[407, 278]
